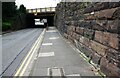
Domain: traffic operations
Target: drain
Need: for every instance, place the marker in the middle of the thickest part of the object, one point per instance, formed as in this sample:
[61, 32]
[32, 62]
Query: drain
[55, 72]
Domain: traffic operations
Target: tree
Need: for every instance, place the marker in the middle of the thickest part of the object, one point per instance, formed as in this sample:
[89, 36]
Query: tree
[8, 9]
[22, 9]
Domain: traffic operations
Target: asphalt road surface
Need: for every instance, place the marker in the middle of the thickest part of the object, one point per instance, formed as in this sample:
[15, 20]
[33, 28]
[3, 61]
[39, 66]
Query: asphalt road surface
[15, 46]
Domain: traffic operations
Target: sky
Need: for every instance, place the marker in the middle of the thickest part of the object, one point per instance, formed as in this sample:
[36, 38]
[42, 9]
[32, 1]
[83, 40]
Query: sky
[31, 4]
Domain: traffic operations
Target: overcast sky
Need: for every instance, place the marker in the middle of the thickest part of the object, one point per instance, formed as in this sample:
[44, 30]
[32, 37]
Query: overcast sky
[31, 4]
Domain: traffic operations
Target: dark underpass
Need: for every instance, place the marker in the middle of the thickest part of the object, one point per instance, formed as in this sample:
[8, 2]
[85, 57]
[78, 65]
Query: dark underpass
[31, 19]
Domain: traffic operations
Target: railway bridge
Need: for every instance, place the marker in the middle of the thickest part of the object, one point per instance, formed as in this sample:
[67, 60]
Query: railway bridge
[40, 14]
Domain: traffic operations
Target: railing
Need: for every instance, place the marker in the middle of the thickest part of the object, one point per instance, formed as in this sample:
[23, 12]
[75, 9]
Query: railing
[40, 10]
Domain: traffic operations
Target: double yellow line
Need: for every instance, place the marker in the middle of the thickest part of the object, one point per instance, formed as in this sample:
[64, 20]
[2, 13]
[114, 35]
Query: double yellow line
[29, 56]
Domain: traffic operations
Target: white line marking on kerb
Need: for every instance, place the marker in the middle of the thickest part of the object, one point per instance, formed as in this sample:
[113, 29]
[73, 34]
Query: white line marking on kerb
[53, 38]
[47, 44]
[73, 75]
[48, 54]
[34, 48]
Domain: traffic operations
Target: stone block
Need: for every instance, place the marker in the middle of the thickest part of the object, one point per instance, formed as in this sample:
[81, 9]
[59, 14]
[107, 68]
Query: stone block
[113, 57]
[101, 6]
[89, 16]
[99, 48]
[117, 14]
[89, 9]
[77, 29]
[69, 28]
[95, 58]
[108, 39]
[107, 25]
[80, 46]
[97, 26]
[104, 66]
[114, 41]
[80, 30]
[77, 37]
[108, 68]
[84, 41]
[89, 33]
[103, 14]
[84, 49]
[74, 35]
[65, 35]
[88, 52]
[70, 38]
[71, 33]
[113, 26]
[73, 28]
[102, 37]
[85, 24]
[114, 4]
[114, 70]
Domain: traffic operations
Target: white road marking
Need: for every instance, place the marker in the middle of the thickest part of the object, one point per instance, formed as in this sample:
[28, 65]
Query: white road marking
[47, 44]
[48, 72]
[48, 54]
[73, 75]
[53, 38]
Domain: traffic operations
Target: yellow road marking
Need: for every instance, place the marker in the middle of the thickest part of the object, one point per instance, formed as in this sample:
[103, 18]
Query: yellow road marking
[31, 51]
[37, 46]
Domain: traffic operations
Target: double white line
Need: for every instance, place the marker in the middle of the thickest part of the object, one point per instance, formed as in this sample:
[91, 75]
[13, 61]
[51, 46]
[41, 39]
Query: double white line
[29, 56]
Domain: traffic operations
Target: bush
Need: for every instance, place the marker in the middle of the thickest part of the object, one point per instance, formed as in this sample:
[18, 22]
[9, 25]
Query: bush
[6, 26]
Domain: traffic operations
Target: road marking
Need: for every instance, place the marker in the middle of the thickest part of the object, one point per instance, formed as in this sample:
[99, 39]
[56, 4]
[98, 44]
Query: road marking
[34, 47]
[48, 54]
[73, 75]
[53, 38]
[47, 44]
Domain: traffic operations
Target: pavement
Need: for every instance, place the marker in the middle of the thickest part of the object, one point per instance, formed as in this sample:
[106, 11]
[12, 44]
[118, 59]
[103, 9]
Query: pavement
[15, 46]
[58, 57]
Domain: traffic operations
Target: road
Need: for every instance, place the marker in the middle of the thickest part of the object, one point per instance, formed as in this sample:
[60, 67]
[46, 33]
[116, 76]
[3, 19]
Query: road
[15, 46]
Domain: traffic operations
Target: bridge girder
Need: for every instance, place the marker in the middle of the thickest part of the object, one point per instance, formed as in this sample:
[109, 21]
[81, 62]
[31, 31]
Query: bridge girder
[41, 10]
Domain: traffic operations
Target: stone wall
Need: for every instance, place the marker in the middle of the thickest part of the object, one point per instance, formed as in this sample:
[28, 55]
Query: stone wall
[95, 30]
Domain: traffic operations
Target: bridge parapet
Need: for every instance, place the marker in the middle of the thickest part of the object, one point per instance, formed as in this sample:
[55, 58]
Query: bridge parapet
[41, 10]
